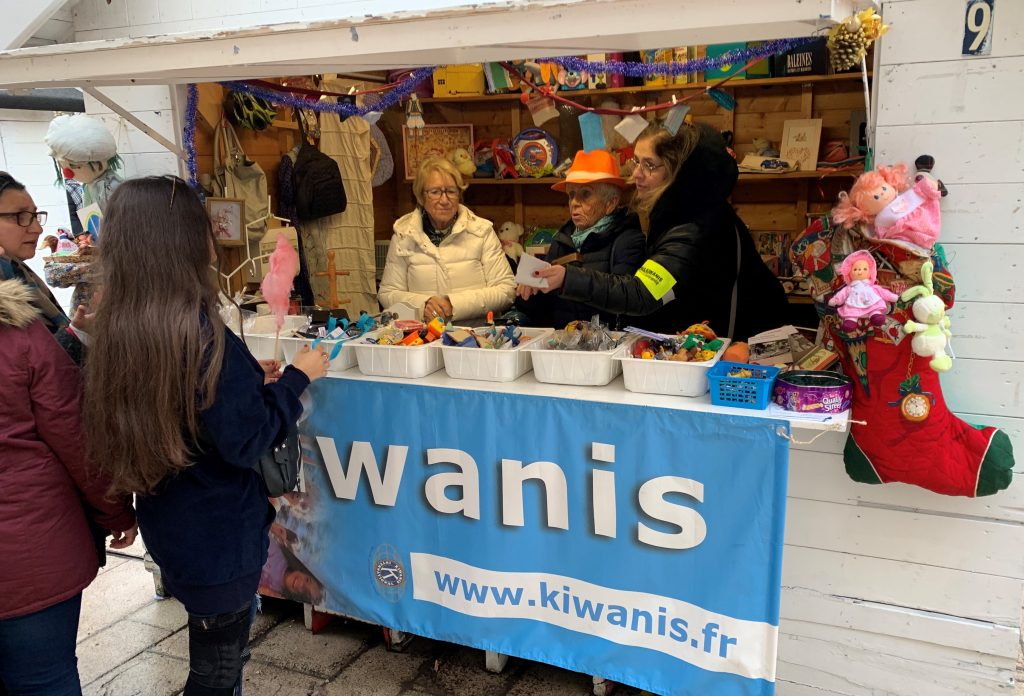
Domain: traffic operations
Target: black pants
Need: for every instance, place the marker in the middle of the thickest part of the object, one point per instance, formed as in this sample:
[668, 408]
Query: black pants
[218, 648]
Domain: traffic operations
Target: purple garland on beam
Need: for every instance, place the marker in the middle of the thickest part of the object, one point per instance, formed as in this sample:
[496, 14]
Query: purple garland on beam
[738, 56]
[191, 107]
[342, 106]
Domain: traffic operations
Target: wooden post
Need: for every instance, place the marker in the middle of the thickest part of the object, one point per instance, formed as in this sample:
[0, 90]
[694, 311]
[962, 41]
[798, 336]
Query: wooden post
[332, 274]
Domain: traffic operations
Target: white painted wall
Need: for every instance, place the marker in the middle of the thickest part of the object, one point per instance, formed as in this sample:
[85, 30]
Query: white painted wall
[154, 106]
[24, 156]
[891, 589]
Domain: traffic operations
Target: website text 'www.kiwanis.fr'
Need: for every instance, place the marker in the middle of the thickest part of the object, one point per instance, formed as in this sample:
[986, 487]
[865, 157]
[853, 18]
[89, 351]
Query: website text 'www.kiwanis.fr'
[685, 631]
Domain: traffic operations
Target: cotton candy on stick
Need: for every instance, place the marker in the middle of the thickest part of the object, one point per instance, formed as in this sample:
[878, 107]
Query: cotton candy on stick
[277, 284]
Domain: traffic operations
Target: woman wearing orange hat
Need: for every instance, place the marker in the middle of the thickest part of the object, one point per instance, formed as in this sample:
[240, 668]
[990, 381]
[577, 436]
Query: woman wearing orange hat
[601, 235]
[701, 260]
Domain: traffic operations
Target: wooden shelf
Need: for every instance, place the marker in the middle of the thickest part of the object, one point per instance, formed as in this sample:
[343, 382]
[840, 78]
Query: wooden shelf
[521, 181]
[800, 299]
[817, 173]
[744, 176]
[568, 94]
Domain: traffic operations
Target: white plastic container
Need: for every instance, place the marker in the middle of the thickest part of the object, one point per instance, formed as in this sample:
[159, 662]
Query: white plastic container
[576, 367]
[345, 359]
[260, 337]
[409, 362]
[666, 376]
[489, 365]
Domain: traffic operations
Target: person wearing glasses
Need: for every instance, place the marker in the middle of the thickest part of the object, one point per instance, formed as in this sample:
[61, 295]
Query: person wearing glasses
[21, 225]
[601, 235]
[52, 498]
[701, 261]
[443, 259]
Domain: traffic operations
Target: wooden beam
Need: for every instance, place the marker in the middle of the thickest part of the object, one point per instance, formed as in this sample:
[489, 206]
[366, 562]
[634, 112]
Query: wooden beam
[416, 38]
[132, 119]
[23, 19]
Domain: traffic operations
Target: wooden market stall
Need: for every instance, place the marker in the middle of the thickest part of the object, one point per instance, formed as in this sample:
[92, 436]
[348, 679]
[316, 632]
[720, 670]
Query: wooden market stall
[885, 589]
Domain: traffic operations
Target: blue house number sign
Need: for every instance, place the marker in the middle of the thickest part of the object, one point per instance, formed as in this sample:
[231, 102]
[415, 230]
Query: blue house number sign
[978, 27]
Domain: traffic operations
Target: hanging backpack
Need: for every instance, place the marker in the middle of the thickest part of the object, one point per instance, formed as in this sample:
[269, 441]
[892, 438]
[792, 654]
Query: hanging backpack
[319, 190]
[237, 176]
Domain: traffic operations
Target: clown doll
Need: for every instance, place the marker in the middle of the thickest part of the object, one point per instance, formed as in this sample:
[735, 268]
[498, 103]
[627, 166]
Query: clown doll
[86, 152]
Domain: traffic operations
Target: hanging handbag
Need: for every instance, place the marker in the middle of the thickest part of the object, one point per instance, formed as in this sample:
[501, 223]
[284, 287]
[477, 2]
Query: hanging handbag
[237, 176]
[280, 465]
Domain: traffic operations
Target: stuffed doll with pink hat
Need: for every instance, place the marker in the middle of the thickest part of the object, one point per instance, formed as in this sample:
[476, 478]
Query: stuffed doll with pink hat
[862, 297]
[889, 209]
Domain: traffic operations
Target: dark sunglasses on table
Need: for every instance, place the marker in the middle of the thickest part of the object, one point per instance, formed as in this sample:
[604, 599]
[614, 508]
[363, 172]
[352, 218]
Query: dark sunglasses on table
[24, 218]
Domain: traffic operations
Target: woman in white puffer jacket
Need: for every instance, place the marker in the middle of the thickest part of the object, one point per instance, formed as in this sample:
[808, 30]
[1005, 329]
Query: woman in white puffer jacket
[444, 259]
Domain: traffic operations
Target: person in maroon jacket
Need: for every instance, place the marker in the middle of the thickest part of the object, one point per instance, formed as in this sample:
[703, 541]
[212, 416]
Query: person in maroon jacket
[48, 491]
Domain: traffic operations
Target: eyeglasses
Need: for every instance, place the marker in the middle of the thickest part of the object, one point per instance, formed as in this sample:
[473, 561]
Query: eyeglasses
[647, 165]
[24, 218]
[435, 194]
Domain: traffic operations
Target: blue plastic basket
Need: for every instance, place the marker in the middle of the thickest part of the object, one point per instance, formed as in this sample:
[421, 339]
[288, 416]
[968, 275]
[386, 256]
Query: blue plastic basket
[741, 392]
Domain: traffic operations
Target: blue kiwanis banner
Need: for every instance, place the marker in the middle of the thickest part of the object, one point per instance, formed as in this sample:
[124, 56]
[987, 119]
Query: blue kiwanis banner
[643, 545]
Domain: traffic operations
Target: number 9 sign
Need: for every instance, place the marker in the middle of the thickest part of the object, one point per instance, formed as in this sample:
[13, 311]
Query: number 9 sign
[978, 27]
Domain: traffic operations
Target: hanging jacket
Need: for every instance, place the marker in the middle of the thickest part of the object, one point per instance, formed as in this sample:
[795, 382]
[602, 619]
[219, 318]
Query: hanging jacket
[618, 250]
[48, 492]
[469, 267]
[693, 234]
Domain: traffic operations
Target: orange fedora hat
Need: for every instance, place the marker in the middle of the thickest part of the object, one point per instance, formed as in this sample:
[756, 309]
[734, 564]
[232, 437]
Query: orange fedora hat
[598, 166]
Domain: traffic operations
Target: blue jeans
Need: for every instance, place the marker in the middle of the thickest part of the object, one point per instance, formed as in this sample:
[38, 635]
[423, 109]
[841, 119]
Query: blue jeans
[218, 648]
[37, 652]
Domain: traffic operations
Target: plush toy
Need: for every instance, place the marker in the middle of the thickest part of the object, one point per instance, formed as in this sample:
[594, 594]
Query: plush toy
[863, 296]
[902, 429]
[463, 161]
[888, 209]
[510, 233]
[86, 152]
[931, 330]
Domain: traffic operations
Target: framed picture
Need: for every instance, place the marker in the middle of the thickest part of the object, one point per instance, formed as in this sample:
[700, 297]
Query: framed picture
[801, 139]
[226, 215]
[433, 141]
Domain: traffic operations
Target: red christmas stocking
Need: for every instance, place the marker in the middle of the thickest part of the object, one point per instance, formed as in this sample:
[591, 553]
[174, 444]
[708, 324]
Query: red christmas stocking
[910, 435]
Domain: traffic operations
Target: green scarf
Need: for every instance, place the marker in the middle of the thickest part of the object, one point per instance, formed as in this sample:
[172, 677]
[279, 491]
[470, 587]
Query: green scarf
[601, 225]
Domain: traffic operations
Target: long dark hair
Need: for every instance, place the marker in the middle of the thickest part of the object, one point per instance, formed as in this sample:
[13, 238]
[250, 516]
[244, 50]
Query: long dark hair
[158, 339]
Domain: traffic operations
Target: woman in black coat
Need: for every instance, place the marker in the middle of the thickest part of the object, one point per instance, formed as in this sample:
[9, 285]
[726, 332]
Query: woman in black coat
[701, 260]
[601, 235]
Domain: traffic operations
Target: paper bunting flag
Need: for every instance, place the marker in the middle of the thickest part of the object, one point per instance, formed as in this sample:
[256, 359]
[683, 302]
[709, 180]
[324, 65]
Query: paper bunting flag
[630, 127]
[592, 131]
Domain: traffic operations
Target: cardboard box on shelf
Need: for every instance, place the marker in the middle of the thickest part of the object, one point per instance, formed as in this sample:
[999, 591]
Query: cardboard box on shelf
[603, 80]
[807, 59]
[654, 56]
[682, 54]
[718, 50]
[696, 53]
[762, 68]
[459, 80]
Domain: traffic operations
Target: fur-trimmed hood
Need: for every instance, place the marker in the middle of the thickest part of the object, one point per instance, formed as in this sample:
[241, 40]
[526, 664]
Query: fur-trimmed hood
[16, 308]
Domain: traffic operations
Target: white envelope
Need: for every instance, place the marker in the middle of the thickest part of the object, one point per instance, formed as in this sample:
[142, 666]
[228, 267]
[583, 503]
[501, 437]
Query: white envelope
[524, 273]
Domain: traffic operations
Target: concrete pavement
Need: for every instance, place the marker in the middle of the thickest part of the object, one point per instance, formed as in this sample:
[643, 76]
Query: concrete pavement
[132, 644]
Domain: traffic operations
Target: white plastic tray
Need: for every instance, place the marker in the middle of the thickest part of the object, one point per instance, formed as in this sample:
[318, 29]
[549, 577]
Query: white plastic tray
[346, 356]
[503, 365]
[259, 338]
[409, 362]
[666, 376]
[577, 367]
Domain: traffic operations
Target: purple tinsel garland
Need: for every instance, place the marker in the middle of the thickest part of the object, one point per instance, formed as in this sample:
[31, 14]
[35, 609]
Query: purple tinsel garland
[739, 56]
[191, 106]
[408, 85]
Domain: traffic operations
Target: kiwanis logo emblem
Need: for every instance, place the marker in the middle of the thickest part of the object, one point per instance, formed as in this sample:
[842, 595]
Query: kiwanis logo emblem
[388, 572]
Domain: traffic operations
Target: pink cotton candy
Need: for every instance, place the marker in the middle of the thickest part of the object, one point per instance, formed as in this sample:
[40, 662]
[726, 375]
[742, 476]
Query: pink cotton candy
[277, 284]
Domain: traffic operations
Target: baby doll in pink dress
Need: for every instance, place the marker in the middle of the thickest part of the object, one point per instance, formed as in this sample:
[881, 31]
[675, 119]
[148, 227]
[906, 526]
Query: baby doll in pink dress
[889, 210]
[863, 296]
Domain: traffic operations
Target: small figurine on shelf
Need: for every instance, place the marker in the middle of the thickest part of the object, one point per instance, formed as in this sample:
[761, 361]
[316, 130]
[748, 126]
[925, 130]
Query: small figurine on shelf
[862, 297]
